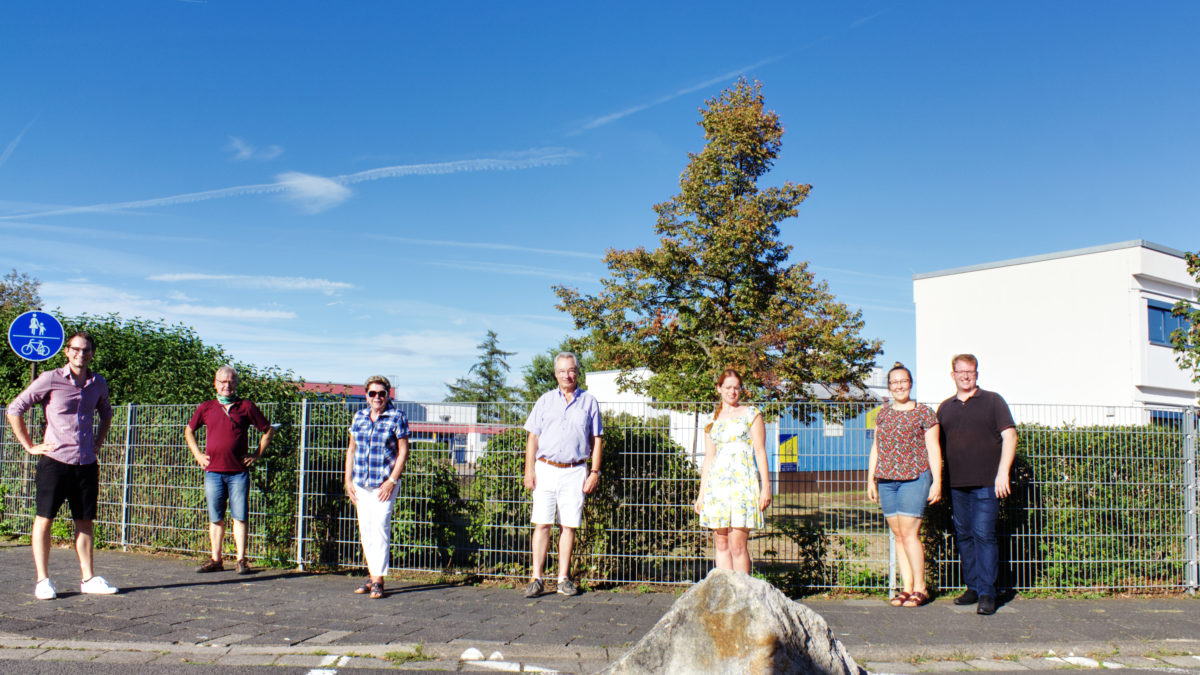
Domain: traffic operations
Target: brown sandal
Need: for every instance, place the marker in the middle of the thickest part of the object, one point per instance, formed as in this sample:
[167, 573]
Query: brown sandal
[364, 589]
[916, 599]
[376, 591]
[899, 599]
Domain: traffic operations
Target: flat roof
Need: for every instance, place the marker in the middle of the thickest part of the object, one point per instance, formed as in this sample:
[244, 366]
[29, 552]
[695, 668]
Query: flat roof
[1133, 243]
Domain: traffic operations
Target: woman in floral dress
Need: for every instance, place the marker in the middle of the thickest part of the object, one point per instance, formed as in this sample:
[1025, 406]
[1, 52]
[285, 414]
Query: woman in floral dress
[735, 487]
[903, 475]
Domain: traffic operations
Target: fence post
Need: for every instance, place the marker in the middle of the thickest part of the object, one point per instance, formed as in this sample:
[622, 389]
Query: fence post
[125, 478]
[1191, 568]
[300, 486]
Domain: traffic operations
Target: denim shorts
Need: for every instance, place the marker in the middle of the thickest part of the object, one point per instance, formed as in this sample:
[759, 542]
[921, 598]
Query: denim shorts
[905, 497]
[231, 488]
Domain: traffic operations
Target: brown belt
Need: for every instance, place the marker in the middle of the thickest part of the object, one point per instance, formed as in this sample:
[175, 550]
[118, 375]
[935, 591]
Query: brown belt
[562, 466]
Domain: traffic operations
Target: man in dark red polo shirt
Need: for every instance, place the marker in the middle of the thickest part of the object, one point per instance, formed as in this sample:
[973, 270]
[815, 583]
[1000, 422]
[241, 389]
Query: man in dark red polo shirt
[226, 461]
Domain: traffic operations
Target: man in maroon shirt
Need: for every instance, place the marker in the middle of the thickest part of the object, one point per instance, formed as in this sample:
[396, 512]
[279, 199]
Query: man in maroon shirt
[67, 469]
[226, 462]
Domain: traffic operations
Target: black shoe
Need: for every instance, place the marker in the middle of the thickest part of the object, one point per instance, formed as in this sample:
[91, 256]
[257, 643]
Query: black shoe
[987, 605]
[968, 598]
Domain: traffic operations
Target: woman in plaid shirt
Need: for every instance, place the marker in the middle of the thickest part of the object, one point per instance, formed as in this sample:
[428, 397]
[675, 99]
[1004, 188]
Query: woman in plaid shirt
[374, 462]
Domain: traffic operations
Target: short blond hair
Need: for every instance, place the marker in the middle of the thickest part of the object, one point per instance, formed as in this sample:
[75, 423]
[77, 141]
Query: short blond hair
[969, 358]
[378, 379]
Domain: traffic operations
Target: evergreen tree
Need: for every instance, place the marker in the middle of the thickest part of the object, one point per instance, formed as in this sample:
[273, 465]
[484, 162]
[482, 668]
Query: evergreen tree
[487, 380]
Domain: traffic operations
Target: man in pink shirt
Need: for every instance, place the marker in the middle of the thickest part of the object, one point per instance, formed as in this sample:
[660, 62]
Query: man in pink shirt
[67, 470]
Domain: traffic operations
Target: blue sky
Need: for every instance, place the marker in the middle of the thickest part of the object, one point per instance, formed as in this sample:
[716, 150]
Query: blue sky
[350, 188]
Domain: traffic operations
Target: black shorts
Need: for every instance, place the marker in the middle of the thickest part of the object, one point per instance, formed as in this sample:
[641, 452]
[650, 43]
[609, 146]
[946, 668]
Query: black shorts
[76, 484]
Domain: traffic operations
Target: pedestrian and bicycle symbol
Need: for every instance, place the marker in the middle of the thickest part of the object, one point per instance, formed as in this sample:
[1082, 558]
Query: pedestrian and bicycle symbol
[35, 336]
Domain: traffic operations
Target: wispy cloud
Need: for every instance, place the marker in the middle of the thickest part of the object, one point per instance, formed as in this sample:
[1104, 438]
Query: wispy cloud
[858, 22]
[613, 117]
[82, 296]
[13, 144]
[243, 151]
[516, 270]
[487, 245]
[857, 273]
[259, 282]
[94, 233]
[311, 192]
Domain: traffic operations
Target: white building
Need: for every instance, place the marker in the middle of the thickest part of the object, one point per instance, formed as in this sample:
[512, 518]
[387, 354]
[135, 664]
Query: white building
[1083, 327]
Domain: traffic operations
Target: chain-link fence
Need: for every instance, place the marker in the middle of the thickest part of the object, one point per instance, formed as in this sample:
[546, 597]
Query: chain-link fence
[1103, 497]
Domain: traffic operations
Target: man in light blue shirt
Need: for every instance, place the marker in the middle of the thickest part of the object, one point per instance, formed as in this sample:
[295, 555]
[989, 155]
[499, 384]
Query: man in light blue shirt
[564, 431]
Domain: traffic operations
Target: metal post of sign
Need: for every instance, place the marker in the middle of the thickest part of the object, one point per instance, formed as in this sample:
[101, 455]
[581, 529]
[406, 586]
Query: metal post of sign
[301, 467]
[125, 478]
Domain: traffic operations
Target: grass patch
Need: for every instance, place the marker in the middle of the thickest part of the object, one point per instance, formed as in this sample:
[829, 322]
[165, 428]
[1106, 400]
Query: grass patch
[416, 654]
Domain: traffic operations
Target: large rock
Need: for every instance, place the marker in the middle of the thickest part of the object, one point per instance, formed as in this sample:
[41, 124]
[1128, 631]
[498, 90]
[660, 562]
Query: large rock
[734, 623]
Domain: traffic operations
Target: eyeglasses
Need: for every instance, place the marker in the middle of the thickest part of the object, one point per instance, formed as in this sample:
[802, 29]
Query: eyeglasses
[375, 393]
[964, 372]
[899, 382]
[72, 348]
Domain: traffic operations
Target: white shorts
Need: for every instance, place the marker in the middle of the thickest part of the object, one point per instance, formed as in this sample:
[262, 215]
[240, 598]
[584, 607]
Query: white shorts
[558, 489]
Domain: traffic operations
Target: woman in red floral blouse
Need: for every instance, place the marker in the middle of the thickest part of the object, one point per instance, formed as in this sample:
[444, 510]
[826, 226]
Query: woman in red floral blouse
[905, 474]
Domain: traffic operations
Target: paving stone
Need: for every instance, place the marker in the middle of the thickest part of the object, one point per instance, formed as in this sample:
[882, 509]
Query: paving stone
[943, 666]
[231, 639]
[307, 660]
[246, 660]
[19, 654]
[1042, 663]
[995, 664]
[126, 657]
[1138, 661]
[889, 667]
[68, 655]
[1186, 661]
[327, 637]
[360, 662]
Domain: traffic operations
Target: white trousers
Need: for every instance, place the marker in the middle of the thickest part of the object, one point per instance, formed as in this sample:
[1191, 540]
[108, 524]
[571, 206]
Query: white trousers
[375, 527]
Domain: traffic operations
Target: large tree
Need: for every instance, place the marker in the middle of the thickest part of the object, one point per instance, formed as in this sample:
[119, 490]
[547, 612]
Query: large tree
[19, 290]
[487, 380]
[1186, 339]
[719, 290]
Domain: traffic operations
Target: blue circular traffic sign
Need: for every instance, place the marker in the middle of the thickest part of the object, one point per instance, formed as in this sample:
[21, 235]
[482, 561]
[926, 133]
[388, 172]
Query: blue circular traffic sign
[35, 336]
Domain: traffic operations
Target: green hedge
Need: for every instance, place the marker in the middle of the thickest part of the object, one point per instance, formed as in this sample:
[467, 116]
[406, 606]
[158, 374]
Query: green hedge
[1092, 507]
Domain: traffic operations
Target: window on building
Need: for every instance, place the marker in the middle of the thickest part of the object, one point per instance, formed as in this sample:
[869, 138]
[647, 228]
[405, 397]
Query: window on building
[1162, 324]
[1169, 418]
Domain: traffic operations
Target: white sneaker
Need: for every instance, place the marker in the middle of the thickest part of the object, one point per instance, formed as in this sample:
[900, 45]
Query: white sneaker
[97, 586]
[45, 590]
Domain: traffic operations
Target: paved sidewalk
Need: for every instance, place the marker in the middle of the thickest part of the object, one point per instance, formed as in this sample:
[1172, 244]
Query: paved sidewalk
[168, 614]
